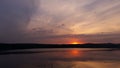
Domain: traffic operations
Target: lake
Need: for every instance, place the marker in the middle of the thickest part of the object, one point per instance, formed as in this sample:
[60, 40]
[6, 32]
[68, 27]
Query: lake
[60, 58]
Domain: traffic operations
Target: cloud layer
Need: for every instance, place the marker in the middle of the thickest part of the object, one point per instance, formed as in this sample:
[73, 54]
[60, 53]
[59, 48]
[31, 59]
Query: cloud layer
[20, 20]
[14, 17]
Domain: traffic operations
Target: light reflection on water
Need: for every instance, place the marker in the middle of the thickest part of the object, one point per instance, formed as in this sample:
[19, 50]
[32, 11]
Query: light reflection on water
[75, 52]
[60, 58]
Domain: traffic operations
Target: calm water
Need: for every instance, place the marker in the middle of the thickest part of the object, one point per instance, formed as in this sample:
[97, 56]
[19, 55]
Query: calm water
[60, 58]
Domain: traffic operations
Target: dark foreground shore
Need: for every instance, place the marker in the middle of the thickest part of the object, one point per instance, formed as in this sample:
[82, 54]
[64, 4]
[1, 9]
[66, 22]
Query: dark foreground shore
[31, 46]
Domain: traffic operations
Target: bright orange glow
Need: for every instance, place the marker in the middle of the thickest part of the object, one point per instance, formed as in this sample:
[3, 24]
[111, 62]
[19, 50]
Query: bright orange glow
[75, 43]
[76, 53]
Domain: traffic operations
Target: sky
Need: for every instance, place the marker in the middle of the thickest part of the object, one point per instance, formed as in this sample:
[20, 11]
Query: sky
[59, 21]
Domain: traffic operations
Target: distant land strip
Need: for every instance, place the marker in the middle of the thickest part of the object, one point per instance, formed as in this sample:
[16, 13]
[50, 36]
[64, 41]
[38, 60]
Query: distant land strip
[4, 46]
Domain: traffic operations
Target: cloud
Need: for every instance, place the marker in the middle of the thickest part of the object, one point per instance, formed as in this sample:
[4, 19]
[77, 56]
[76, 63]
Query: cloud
[78, 16]
[84, 38]
[14, 17]
[75, 18]
[21, 22]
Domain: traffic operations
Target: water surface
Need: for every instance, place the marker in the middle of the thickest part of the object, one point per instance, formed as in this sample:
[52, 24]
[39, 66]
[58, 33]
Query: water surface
[60, 58]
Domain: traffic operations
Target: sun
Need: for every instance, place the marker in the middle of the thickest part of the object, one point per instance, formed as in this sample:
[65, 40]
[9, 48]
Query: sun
[75, 43]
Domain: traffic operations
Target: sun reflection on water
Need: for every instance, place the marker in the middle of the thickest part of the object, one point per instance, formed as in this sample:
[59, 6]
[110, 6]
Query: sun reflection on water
[76, 53]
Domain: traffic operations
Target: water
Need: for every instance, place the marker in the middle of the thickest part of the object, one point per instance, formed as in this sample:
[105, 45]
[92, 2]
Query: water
[60, 58]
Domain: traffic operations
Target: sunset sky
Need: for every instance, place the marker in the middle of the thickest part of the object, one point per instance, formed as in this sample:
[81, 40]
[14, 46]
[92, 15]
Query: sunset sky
[59, 21]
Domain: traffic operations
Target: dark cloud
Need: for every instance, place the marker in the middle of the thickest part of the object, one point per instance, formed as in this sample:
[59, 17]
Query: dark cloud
[88, 38]
[14, 17]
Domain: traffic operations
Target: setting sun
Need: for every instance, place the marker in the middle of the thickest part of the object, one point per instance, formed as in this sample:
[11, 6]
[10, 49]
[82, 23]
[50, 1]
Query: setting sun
[75, 43]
